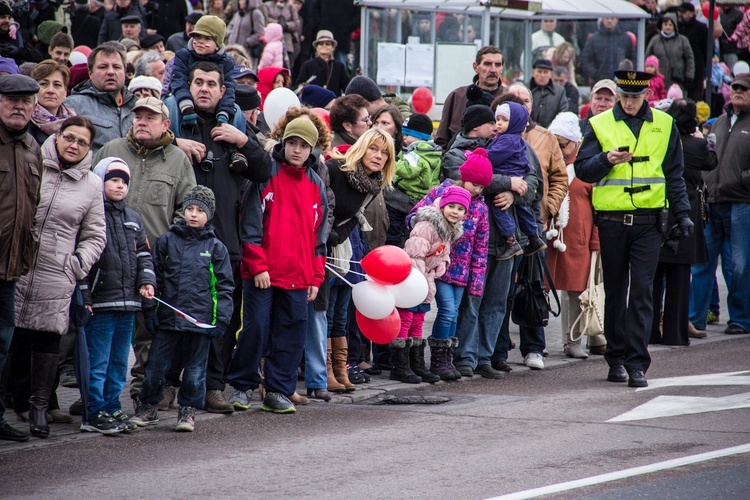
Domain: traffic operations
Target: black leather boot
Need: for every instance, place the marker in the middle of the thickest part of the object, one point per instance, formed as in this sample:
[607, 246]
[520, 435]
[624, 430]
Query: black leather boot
[401, 370]
[43, 372]
[417, 364]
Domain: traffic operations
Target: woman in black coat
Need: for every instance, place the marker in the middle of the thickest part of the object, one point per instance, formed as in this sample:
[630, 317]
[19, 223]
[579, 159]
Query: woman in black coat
[677, 256]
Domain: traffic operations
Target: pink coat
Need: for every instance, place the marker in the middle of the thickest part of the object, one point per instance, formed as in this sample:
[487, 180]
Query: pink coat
[273, 52]
[429, 245]
[656, 89]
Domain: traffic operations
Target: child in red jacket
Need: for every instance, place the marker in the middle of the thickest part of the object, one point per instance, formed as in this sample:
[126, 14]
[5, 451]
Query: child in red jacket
[283, 231]
[656, 89]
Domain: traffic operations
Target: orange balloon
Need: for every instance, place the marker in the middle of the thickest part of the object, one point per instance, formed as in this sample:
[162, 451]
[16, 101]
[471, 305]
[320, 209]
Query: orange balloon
[380, 331]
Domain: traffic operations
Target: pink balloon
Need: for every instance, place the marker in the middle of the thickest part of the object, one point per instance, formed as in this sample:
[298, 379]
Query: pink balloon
[422, 100]
[380, 331]
[387, 265]
[324, 114]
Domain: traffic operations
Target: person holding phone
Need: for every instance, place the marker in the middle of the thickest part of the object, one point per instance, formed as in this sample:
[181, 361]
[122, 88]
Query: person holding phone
[633, 156]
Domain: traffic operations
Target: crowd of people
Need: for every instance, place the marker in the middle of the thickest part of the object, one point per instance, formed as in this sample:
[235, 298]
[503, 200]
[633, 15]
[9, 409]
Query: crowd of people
[154, 206]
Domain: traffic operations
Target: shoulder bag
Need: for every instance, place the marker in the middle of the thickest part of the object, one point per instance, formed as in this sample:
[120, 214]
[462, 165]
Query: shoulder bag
[591, 320]
[531, 305]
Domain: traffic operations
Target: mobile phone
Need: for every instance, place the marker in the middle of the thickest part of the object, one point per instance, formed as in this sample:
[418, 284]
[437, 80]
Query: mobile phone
[622, 149]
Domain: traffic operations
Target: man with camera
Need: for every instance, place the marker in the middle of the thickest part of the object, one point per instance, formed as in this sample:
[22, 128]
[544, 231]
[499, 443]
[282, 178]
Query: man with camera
[161, 177]
[224, 157]
[15, 42]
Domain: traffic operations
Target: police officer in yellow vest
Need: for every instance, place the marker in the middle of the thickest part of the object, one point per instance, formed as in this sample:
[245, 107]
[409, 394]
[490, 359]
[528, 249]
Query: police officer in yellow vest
[633, 156]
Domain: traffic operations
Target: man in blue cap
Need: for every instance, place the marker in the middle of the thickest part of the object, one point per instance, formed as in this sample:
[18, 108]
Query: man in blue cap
[20, 188]
[633, 156]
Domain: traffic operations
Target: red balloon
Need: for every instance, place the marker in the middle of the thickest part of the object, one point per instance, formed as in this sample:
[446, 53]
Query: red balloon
[324, 114]
[422, 100]
[83, 49]
[380, 331]
[704, 8]
[387, 265]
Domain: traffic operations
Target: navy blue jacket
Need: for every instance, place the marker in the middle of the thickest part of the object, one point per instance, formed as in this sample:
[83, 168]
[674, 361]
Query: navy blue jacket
[125, 264]
[194, 274]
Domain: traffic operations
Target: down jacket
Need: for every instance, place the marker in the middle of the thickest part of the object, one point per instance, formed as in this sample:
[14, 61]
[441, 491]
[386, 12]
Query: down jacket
[468, 254]
[125, 264]
[273, 52]
[194, 274]
[72, 234]
[247, 26]
[429, 245]
[111, 121]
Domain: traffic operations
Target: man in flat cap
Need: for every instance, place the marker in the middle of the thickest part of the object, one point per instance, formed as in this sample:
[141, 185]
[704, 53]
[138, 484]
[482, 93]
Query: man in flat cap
[633, 156]
[111, 28]
[131, 28]
[19, 186]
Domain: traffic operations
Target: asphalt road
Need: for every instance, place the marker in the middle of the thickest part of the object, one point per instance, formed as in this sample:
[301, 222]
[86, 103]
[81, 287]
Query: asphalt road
[530, 430]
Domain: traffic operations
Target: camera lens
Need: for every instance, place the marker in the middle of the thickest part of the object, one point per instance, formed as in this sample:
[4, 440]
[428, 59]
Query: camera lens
[207, 165]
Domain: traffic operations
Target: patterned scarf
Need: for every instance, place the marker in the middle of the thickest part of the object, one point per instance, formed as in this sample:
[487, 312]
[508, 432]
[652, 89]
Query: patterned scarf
[49, 123]
[359, 180]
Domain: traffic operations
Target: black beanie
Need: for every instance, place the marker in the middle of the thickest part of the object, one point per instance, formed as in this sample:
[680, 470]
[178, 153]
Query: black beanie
[475, 95]
[476, 115]
[5, 9]
[365, 87]
[419, 126]
[247, 97]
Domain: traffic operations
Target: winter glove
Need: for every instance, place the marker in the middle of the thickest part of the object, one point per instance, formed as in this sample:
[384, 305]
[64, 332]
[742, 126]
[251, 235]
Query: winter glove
[216, 332]
[9, 50]
[222, 118]
[685, 228]
[283, 25]
[190, 119]
[152, 321]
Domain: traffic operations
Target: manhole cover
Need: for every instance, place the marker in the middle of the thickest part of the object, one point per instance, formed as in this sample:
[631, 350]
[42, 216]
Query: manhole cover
[410, 399]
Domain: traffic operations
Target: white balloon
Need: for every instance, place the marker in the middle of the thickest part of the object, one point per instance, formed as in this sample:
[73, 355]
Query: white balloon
[412, 291]
[740, 67]
[77, 58]
[372, 300]
[277, 103]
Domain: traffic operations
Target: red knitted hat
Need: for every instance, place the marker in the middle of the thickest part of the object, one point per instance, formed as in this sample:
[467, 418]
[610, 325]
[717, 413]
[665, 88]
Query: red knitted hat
[477, 169]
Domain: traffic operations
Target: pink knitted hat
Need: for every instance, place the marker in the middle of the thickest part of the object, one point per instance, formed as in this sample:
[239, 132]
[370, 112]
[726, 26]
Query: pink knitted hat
[477, 169]
[652, 61]
[455, 194]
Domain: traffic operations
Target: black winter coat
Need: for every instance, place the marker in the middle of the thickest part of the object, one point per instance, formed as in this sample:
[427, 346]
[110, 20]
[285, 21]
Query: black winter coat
[111, 27]
[698, 158]
[193, 274]
[331, 75]
[341, 17]
[226, 184]
[85, 27]
[125, 264]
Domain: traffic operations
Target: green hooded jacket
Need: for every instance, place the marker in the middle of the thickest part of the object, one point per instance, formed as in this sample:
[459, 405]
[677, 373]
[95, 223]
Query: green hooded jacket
[418, 169]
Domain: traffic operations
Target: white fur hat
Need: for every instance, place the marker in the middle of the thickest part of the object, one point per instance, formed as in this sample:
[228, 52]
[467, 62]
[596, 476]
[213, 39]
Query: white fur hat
[145, 82]
[566, 125]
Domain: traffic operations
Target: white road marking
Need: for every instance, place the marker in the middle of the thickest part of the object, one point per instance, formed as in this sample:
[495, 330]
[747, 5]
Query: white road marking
[727, 378]
[669, 406]
[615, 476]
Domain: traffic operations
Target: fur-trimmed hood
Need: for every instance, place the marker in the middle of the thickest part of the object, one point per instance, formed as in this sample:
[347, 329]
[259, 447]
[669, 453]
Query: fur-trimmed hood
[445, 230]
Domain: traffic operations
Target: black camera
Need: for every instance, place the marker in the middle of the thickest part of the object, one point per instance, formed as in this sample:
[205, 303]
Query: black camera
[207, 163]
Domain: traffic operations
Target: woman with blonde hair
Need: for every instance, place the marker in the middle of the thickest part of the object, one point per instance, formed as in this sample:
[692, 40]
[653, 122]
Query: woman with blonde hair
[357, 177]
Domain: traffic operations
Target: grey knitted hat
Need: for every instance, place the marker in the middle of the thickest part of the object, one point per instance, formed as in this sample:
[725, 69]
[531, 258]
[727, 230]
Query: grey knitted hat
[202, 197]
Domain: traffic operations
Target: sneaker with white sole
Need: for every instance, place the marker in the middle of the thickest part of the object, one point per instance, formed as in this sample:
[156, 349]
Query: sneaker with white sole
[186, 419]
[534, 360]
[103, 423]
[146, 415]
[241, 399]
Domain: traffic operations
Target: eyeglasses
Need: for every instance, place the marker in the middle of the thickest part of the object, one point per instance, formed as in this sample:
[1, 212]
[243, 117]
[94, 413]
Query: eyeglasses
[739, 88]
[70, 139]
[366, 119]
[564, 145]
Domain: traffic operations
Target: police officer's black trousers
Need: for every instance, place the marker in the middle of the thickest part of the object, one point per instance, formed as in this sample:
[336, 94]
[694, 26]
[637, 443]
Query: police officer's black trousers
[630, 255]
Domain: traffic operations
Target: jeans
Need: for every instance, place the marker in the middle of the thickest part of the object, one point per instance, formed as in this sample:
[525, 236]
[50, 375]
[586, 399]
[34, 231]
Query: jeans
[275, 327]
[477, 339]
[108, 336]
[727, 222]
[448, 298]
[7, 325]
[195, 354]
[532, 339]
[316, 349]
[338, 310]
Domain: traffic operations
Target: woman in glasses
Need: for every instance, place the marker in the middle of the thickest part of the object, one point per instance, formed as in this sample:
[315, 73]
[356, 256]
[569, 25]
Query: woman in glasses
[71, 235]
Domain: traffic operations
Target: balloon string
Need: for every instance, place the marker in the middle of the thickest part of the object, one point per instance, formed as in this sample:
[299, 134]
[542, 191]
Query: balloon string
[337, 274]
[344, 260]
[345, 269]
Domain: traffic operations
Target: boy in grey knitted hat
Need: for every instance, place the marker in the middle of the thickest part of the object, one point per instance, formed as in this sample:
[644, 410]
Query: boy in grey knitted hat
[193, 274]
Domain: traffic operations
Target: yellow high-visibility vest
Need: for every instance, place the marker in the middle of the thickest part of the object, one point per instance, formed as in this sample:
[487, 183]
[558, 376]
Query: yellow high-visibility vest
[641, 183]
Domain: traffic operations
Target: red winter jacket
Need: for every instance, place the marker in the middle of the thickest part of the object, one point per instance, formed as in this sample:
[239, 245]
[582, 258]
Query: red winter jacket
[282, 226]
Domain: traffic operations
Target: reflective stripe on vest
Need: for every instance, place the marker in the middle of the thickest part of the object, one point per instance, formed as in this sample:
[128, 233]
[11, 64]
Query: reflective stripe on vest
[639, 184]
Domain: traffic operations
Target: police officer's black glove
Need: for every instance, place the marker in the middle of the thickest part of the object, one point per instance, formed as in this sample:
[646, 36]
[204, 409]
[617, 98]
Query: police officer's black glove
[685, 228]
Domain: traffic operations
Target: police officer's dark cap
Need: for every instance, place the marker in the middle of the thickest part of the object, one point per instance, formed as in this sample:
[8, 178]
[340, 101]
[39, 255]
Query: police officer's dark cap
[632, 82]
[18, 85]
[131, 20]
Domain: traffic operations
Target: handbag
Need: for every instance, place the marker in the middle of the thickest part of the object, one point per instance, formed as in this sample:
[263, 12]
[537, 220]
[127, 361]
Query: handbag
[531, 305]
[590, 321]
